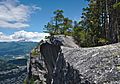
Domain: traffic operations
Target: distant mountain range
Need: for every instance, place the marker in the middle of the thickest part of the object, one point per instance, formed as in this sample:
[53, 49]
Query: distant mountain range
[16, 48]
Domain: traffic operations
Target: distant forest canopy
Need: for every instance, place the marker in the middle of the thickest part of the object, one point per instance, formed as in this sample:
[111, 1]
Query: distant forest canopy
[100, 24]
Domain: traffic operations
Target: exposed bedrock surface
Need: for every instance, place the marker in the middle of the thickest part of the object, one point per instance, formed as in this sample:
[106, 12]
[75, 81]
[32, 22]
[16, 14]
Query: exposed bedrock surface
[51, 64]
[99, 64]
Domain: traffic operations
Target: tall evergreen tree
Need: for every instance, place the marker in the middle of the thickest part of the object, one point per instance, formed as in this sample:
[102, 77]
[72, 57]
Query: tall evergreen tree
[67, 26]
[55, 25]
[101, 22]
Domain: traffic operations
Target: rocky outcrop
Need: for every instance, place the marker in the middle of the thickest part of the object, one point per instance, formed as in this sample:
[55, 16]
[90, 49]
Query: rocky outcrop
[99, 64]
[48, 66]
[67, 41]
[50, 63]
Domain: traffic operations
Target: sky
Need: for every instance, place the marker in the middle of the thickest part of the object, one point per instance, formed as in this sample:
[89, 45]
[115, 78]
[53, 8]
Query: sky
[29, 16]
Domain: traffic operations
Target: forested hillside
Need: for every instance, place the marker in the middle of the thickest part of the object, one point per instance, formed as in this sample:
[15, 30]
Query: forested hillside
[99, 24]
[16, 48]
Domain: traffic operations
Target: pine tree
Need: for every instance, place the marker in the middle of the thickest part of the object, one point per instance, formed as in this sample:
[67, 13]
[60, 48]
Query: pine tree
[54, 26]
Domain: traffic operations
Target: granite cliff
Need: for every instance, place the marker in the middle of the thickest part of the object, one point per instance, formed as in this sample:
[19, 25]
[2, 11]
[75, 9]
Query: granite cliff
[52, 62]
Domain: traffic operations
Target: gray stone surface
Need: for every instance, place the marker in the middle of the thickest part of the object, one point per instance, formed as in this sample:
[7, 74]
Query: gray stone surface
[73, 65]
[50, 67]
[67, 41]
[99, 64]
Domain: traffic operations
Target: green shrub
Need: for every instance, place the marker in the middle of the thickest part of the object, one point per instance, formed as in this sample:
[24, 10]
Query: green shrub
[34, 52]
[25, 81]
[116, 5]
[102, 41]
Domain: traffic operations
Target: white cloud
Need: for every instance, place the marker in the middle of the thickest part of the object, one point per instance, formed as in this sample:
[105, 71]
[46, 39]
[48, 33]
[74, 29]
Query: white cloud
[4, 37]
[23, 36]
[16, 25]
[15, 15]
[36, 8]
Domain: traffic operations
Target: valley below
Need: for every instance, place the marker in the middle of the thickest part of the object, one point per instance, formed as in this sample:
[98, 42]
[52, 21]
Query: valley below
[11, 73]
[13, 61]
